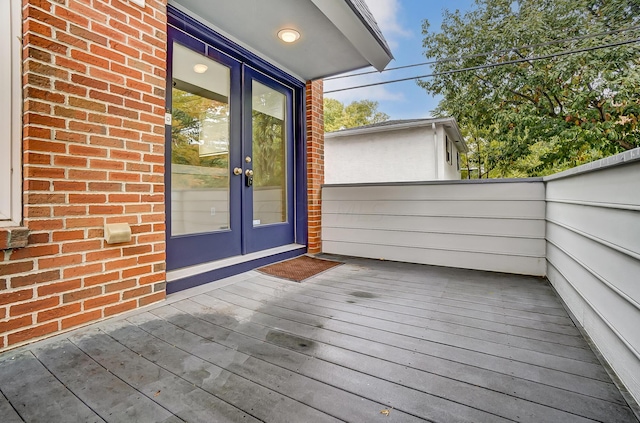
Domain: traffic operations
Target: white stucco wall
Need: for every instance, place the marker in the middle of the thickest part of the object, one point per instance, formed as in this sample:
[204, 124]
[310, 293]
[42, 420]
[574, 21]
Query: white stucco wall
[449, 171]
[400, 155]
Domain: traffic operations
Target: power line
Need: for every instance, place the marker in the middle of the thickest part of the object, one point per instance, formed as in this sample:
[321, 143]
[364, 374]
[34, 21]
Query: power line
[473, 56]
[491, 65]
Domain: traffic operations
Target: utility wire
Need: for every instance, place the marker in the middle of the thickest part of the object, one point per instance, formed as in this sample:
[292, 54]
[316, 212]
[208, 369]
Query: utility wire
[473, 56]
[491, 65]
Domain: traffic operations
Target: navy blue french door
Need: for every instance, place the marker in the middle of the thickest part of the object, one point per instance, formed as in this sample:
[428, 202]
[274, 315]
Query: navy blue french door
[229, 156]
[268, 132]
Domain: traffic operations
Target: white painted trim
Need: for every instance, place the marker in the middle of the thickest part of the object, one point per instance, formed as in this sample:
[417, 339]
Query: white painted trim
[231, 261]
[352, 27]
[11, 115]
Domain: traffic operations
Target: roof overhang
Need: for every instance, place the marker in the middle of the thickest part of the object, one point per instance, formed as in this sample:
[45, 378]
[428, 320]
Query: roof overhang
[335, 36]
[449, 123]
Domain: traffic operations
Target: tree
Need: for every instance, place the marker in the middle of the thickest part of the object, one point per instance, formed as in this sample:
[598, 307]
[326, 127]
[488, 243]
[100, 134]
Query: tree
[542, 115]
[358, 113]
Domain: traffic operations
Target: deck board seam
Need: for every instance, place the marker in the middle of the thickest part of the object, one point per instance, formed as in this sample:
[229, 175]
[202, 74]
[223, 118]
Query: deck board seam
[398, 364]
[423, 340]
[426, 318]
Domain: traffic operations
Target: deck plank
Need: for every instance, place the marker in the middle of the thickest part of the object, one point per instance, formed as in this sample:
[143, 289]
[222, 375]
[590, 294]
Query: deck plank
[595, 388]
[37, 395]
[408, 369]
[106, 394]
[423, 342]
[172, 392]
[354, 303]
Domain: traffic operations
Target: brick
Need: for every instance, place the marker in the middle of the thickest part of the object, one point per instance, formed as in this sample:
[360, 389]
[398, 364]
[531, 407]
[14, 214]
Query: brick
[70, 136]
[70, 64]
[81, 246]
[34, 251]
[58, 312]
[101, 279]
[28, 334]
[120, 308]
[39, 238]
[58, 287]
[38, 54]
[105, 254]
[87, 198]
[68, 235]
[14, 268]
[69, 210]
[120, 286]
[81, 295]
[83, 222]
[101, 301]
[81, 32]
[145, 280]
[81, 319]
[153, 298]
[33, 306]
[14, 324]
[89, 82]
[35, 278]
[76, 271]
[137, 292]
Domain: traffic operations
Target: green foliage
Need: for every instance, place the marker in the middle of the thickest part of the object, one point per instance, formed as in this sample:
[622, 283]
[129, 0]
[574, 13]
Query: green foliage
[538, 117]
[188, 113]
[268, 150]
[338, 116]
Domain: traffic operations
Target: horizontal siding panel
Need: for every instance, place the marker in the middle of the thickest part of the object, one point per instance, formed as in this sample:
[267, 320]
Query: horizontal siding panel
[616, 353]
[491, 262]
[618, 269]
[619, 227]
[617, 185]
[617, 312]
[455, 242]
[527, 228]
[452, 191]
[503, 209]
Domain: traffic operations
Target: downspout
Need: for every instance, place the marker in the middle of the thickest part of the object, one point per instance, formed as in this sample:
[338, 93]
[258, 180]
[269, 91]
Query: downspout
[435, 149]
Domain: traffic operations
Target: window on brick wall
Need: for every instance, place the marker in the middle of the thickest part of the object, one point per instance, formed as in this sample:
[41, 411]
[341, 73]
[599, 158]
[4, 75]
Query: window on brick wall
[10, 113]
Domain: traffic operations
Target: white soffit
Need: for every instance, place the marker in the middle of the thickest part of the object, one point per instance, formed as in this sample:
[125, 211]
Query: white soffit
[333, 39]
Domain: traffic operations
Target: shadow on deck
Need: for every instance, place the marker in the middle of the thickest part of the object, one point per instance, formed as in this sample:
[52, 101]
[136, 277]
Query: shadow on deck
[364, 342]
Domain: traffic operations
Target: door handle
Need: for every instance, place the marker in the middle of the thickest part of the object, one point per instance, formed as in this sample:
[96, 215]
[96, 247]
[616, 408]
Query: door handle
[248, 172]
[237, 171]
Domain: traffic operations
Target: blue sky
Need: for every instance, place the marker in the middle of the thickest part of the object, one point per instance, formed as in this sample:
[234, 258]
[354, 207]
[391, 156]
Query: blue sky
[401, 23]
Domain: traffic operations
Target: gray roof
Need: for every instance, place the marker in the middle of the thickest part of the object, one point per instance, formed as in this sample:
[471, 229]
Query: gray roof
[361, 9]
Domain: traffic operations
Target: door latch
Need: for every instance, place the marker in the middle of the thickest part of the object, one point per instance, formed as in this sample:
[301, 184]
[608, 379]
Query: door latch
[248, 177]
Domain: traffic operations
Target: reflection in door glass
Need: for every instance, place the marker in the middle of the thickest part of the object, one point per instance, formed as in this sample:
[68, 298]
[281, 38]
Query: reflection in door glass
[199, 144]
[269, 155]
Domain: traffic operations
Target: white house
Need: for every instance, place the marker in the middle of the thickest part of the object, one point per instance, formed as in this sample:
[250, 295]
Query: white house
[395, 151]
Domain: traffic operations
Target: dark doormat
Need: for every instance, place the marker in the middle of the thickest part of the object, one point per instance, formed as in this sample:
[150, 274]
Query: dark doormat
[299, 268]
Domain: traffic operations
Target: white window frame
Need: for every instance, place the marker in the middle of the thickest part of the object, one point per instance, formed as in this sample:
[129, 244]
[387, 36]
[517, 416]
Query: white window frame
[11, 114]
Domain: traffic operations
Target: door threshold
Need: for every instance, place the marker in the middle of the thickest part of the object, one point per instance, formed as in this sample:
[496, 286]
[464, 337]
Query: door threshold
[191, 276]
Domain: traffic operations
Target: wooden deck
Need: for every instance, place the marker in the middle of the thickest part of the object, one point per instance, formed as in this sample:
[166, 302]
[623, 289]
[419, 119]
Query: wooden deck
[361, 341]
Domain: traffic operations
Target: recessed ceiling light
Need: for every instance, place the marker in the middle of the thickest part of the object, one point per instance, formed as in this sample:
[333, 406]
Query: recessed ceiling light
[288, 35]
[200, 68]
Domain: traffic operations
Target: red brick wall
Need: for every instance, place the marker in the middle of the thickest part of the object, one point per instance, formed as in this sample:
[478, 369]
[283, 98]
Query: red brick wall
[315, 162]
[93, 153]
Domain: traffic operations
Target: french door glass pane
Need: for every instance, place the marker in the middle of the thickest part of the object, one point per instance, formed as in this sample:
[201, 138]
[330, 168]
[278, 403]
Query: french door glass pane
[200, 144]
[269, 155]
